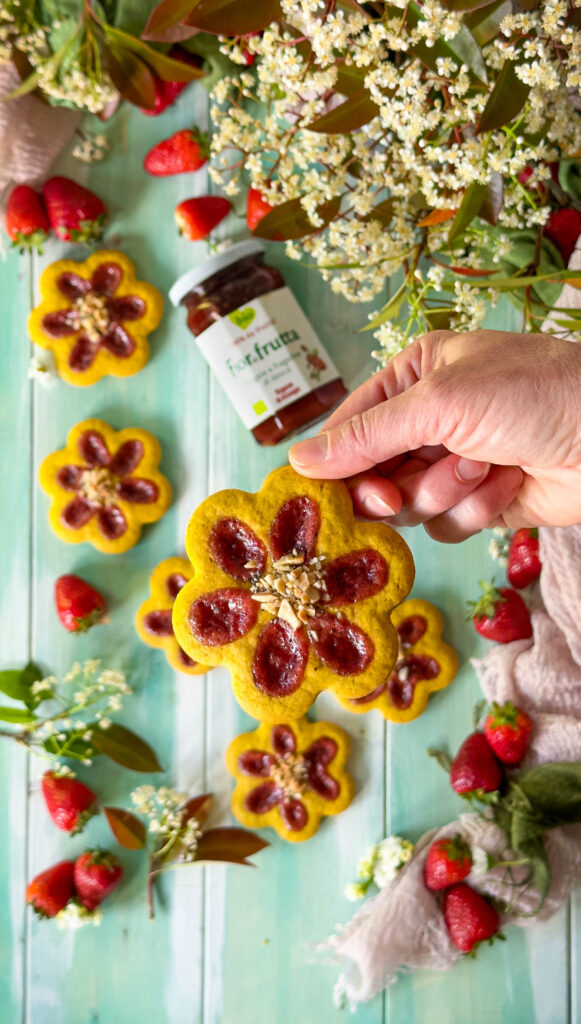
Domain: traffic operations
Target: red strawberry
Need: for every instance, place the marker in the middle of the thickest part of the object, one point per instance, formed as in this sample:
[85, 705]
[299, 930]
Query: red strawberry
[97, 873]
[500, 614]
[26, 221]
[256, 208]
[475, 769]
[167, 93]
[470, 919]
[507, 729]
[563, 229]
[70, 803]
[79, 606]
[448, 861]
[195, 218]
[50, 891]
[524, 564]
[187, 150]
[76, 214]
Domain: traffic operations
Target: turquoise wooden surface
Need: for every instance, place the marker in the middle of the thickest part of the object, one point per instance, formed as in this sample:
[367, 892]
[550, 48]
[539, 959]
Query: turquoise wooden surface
[228, 945]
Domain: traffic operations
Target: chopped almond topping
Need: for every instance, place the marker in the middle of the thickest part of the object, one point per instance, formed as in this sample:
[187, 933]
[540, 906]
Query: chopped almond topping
[290, 773]
[92, 316]
[98, 486]
[292, 589]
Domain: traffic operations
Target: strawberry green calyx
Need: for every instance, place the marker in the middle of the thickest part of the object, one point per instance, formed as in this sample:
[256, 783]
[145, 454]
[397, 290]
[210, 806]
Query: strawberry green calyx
[203, 141]
[87, 621]
[83, 818]
[456, 848]
[485, 606]
[471, 953]
[28, 243]
[89, 231]
[503, 714]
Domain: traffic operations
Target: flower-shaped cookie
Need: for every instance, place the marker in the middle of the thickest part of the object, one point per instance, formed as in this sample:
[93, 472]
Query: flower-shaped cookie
[104, 485]
[288, 777]
[292, 594]
[95, 316]
[425, 663]
[153, 619]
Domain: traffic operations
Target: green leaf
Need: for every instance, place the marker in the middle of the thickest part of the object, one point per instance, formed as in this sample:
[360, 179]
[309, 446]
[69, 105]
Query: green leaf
[570, 177]
[165, 67]
[233, 17]
[12, 685]
[27, 85]
[290, 220]
[73, 747]
[442, 757]
[125, 748]
[130, 76]
[554, 791]
[505, 101]
[474, 197]
[128, 830]
[229, 844]
[462, 49]
[16, 715]
[484, 23]
[438, 320]
[165, 23]
[30, 674]
[353, 113]
[389, 311]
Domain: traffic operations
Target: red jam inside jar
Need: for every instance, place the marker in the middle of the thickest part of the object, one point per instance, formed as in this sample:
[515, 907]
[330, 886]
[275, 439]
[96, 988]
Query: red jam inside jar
[235, 279]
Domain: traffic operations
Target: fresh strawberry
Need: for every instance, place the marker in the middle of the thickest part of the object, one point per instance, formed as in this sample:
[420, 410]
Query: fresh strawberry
[475, 769]
[563, 229]
[79, 606]
[524, 564]
[167, 93]
[76, 214]
[500, 614]
[50, 891]
[448, 861]
[470, 919]
[187, 150]
[97, 873]
[27, 224]
[256, 208]
[70, 803]
[507, 729]
[195, 218]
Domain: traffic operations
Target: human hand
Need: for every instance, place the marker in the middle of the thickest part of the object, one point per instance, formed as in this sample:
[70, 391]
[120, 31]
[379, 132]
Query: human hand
[461, 432]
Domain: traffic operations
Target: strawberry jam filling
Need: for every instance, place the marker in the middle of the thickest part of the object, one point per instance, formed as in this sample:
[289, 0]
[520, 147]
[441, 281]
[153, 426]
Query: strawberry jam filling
[237, 549]
[185, 658]
[222, 616]
[256, 762]
[341, 645]
[174, 584]
[409, 671]
[411, 630]
[355, 576]
[280, 659]
[263, 798]
[158, 622]
[295, 528]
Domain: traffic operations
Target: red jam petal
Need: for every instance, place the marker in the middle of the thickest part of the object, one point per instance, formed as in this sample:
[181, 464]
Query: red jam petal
[280, 659]
[185, 658]
[294, 815]
[295, 527]
[401, 691]
[174, 584]
[126, 307]
[322, 751]
[112, 522]
[77, 513]
[355, 576]
[93, 448]
[322, 783]
[83, 354]
[262, 798]
[69, 477]
[222, 616]
[255, 762]
[232, 544]
[118, 342]
[369, 697]
[341, 645]
[412, 629]
[106, 278]
[72, 286]
[127, 458]
[283, 740]
[158, 622]
[60, 324]
[137, 490]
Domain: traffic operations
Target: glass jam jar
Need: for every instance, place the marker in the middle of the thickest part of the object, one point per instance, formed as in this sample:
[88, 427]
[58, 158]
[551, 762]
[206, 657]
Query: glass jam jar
[260, 345]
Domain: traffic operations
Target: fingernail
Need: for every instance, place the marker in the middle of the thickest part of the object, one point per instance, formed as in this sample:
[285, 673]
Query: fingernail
[375, 507]
[309, 453]
[469, 469]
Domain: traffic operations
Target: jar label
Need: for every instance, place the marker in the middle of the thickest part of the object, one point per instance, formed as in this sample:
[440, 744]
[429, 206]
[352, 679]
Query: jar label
[266, 355]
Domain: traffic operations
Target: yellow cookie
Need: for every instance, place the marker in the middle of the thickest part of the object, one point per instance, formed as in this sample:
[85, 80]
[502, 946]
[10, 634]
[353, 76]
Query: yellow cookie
[425, 664]
[95, 317]
[104, 485]
[288, 777]
[292, 594]
[153, 619]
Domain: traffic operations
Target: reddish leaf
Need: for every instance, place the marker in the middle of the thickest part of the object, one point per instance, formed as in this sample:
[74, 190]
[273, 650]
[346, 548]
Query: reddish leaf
[233, 18]
[505, 101]
[463, 5]
[436, 217]
[164, 67]
[125, 748]
[349, 81]
[164, 22]
[382, 212]
[198, 807]
[128, 830]
[484, 23]
[130, 76]
[289, 220]
[479, 201]
[348, 116]
[229, 844]
[471, 271]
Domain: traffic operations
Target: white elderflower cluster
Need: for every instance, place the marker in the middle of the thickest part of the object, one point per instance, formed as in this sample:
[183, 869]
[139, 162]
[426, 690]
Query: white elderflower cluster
[380, 865]
[164, 809]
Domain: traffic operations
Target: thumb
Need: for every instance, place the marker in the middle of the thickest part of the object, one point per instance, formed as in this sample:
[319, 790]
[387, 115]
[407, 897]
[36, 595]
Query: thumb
[394, 427]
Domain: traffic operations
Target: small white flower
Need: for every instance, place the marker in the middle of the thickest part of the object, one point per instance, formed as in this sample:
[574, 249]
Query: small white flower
[75, 916]
[355, 891]
[105, 723]
[393, 853]
[366, 864]
[481, 861]
[42, 368]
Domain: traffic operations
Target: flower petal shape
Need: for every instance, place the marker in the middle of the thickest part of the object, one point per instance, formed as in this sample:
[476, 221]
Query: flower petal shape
[283, 740]
[295, 528]
[153, 620]
[83, 354]
[92, 448]
[72, 285]
[127, 458]
[112, 522]
[60, 324]
[294, 814]
[119, 342]
[77, 513]
[223, 616]
[106, 278]
[255, 762]
[280, 659]
[355, 577]
[263, 798]
[158, 622]
[341, 644]
[138, 490]
[126, 307]
[233, 545]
